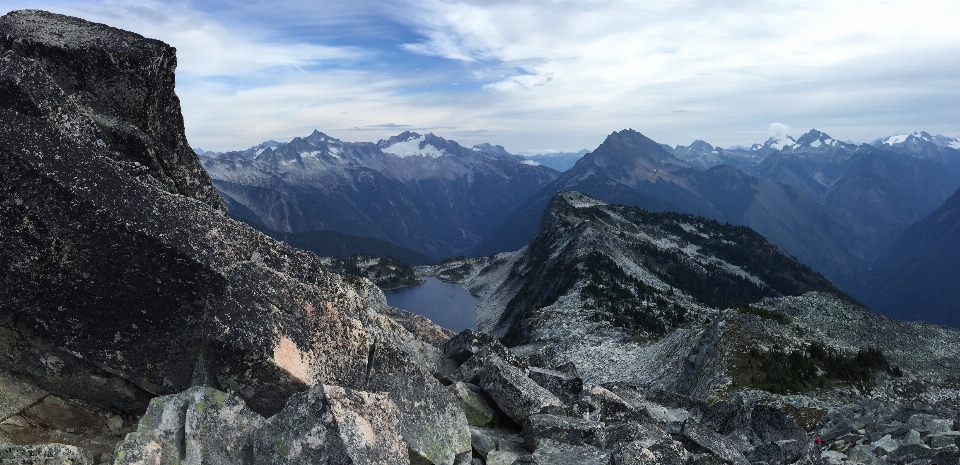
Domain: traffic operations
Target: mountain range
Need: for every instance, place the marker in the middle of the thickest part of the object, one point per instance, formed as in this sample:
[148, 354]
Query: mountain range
[630, 169]
[836, 206]
[139, 323]
[418, 191]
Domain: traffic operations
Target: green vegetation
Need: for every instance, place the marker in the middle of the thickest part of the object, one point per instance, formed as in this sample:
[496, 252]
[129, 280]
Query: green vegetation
[737, 245]
[386, 272]
[815, 365]
[764, 313]
[624, 301]
[706, 283]
[454, 269]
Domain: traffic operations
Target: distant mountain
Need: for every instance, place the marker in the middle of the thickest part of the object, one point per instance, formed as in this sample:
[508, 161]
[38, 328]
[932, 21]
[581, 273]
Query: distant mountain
[703, 156]
[877, 191]
[560, 161]
[630, 169]
[679, 303]
[581, 238]
[920, 278]
[921, 144]
[421, 192]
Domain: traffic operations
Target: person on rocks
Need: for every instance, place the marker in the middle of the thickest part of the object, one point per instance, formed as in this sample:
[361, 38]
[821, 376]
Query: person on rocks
[817, 445]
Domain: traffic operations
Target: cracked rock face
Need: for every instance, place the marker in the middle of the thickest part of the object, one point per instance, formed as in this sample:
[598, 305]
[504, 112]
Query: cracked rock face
[197, 426]
[118, 268]
[330, 424]
[120, 277]
[327, 424]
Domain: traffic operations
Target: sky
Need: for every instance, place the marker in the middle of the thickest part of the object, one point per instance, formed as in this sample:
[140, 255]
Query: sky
[546, 76]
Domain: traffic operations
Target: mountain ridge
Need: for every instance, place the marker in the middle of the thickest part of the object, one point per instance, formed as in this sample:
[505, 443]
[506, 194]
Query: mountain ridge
[439, 198]
[630, 169]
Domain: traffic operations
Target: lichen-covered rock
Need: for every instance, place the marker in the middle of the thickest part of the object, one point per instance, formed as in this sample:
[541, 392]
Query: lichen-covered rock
[642, 453]
[770, 424]
[125, 81]
[604, 405]
[713, 442]
[558, 453]
[475, 406]
[45, 454]
[623, 433]
[468, 342]
[563, 385]
[431, 420]
[728, 418]
[485, 440]
[540, 427]
[777, 452]
[502, 457]
[331, 424]
[198, 426]
[517, 395]
[469, 371]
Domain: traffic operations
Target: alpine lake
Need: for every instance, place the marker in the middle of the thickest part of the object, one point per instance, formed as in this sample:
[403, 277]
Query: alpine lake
[446, 304]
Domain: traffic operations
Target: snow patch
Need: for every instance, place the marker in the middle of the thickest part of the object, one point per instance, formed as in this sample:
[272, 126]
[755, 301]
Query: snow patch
[530, 162]
[954, 144]
[896, 139]
[411, 147]
[780, 144]
[816, 143]
[259, 151]
[582, 201]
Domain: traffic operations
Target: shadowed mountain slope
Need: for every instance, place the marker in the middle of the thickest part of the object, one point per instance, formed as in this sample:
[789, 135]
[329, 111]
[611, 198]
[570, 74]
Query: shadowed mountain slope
[630, 169]
[920, 278]
[421, 192]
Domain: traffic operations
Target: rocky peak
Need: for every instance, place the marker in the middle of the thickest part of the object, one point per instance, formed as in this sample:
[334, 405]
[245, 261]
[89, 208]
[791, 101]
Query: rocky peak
[701, 145]
[494, 149]
[630, 157]
[124, 84]
[813, 136]
[402, 137]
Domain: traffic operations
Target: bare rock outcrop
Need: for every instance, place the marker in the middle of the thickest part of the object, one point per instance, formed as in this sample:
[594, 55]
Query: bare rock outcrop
[121, 278]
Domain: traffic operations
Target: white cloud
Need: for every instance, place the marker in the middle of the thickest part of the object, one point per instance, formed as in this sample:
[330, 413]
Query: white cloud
[205, 48]
[779, 130]
[553, 73]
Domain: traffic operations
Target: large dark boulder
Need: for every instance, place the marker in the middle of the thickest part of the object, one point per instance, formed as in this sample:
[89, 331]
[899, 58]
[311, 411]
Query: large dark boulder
[121, 278]
[122, 81]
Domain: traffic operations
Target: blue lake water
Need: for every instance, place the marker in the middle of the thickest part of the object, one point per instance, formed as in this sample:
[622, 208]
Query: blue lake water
[448, 305]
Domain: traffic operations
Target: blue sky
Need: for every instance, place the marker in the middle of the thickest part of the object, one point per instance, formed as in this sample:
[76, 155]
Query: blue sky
[541, 76]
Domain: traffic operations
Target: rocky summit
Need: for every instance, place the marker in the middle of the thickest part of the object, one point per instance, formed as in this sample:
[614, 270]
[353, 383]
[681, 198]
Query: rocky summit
[730, 350]
[139, 324]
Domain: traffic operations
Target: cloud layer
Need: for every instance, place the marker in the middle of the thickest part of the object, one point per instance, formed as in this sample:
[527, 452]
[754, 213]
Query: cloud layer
[555, 74]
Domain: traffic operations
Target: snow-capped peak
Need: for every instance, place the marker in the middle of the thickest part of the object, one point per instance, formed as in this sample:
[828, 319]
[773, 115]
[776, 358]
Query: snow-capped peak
[781, 143]
[413, 146]
[815, 139]
[899, 139]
